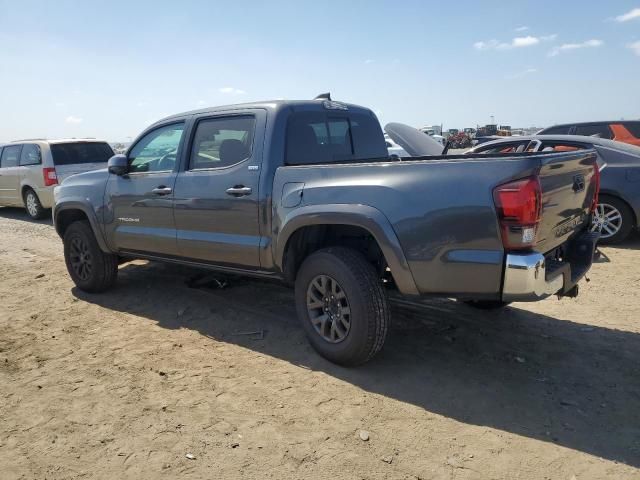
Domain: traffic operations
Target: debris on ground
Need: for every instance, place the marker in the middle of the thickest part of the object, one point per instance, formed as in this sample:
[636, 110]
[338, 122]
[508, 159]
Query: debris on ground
[364, 435]
[258, 334]
[207, 280]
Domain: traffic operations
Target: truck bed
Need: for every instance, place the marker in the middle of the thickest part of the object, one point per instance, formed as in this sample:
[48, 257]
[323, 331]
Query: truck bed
[442, 208]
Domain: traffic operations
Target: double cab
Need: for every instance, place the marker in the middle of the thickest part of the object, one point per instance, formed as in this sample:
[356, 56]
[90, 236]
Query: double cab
[305, 192]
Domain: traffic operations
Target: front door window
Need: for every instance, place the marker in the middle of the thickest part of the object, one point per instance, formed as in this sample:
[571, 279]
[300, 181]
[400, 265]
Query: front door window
[157, 151]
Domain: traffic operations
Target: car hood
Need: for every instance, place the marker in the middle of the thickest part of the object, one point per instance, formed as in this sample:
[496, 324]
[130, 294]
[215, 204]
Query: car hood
[83, 185]
[90, 177]
[415, 142]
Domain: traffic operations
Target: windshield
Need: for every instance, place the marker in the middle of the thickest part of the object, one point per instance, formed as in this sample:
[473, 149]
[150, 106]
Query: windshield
[80, 152]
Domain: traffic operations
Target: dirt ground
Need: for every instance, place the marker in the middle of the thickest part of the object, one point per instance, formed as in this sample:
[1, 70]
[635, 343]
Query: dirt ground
[126, 384]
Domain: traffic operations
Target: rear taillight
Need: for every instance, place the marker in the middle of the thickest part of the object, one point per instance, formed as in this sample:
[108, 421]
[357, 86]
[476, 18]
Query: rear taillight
[50, 177]
[519, 206]
[595, 187]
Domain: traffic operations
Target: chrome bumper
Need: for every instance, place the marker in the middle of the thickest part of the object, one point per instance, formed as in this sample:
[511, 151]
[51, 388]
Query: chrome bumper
[525, 279]
[530, 277]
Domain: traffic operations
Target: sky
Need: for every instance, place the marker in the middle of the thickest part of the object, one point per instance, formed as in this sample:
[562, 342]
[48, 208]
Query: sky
[109, 69]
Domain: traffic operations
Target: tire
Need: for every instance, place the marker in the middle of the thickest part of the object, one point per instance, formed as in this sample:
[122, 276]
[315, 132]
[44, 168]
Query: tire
[612, 215]
[32, 203]
[358, 290]
[487, 304]
[90, 268]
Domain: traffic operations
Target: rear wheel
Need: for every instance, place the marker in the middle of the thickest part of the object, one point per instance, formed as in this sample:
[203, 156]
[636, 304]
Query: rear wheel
[342, 306]
[33, 205]
[613, 219]
[90, 268]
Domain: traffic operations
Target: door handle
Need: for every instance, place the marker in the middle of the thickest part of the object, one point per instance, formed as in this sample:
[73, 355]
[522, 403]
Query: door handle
[239, 191]
[162, 190]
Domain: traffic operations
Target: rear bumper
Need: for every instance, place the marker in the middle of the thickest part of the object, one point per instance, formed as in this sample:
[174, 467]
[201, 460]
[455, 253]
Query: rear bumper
[45, 195]
[533, 276]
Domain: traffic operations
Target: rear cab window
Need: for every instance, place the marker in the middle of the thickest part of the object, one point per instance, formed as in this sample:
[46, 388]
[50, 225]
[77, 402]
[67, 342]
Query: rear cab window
[334, 136]
[74, 153]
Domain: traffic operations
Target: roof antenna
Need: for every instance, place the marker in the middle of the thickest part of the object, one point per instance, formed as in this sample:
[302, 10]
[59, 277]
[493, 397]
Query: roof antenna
[323, 96]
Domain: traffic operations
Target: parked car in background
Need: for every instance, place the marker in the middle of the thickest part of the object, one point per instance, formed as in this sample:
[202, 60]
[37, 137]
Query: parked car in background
[405, 141]
[393, 148]
[619, 131]
[440, 139]
[619, 202]
[29, 169]
[305, 192]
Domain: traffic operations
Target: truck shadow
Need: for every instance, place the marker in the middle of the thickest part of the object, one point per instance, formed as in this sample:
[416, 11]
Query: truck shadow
[632, 242]
[553, 380]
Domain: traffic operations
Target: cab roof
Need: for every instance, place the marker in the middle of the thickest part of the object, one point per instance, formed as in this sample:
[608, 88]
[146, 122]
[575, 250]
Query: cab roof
[273, 105]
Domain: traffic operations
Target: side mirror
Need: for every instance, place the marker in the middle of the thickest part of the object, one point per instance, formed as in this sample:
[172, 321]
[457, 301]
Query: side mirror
[118, 165]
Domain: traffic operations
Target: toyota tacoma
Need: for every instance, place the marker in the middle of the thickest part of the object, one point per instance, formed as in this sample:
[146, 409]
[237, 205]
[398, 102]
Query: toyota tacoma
[305, 192]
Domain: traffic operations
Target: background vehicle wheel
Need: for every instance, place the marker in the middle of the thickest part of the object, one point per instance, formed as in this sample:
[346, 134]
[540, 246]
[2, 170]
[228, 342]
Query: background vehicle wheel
[33, 205]
[90, 268]
[487, 304]
[342, 306]
[613, 219]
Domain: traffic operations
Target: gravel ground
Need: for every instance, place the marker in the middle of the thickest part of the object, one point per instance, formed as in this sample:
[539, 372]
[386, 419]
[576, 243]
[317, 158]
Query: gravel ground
[126, 384]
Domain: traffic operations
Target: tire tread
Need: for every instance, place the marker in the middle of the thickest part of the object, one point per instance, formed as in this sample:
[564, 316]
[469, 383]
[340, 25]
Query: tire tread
[41, 210]
[377, 308]
[106, 263]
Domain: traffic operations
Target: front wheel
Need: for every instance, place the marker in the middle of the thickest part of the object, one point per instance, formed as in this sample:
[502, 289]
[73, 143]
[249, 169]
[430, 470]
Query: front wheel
[90, 268]
[613, 219]
[342, 305]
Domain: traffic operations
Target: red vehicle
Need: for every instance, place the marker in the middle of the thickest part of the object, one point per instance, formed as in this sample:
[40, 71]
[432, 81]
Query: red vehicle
[620, 131]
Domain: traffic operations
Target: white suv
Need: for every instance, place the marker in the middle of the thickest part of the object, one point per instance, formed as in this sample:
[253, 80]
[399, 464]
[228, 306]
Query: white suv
[29, 169]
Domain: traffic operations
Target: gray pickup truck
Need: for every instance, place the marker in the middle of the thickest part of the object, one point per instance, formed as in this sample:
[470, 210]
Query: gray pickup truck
[305, 192]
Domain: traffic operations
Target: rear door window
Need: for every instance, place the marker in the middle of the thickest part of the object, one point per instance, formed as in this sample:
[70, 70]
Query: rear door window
[30, 155]
[557, 146]
[80, 152]
[10, 156]
[595, 130]
[222, 142]
[510, 147]
[326, 137]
